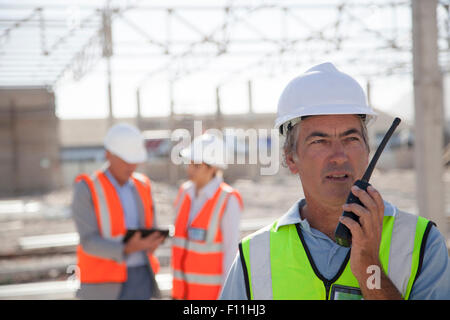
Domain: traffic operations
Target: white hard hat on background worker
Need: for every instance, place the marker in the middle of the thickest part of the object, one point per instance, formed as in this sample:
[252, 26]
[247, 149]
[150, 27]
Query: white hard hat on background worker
[126, 142]
[208, 149]
[302, 96]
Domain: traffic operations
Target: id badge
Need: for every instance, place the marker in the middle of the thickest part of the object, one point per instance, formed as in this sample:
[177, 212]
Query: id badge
[197, 234]
[339, 292]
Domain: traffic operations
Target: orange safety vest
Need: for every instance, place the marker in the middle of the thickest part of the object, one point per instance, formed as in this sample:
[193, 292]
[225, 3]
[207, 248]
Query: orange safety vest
[197, 255]
[111, 224]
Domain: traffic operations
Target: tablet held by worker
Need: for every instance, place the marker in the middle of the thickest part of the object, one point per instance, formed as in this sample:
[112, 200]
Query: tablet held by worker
[145, 232]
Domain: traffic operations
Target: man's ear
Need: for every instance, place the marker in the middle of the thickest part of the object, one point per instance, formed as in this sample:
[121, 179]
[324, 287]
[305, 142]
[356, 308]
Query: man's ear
[291, 163]
[212, 170]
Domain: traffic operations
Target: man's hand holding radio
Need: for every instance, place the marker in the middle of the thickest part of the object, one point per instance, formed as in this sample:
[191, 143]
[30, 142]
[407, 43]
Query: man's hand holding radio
[366, 237]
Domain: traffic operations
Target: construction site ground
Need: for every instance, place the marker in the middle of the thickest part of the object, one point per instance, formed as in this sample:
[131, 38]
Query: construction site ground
[38, 235]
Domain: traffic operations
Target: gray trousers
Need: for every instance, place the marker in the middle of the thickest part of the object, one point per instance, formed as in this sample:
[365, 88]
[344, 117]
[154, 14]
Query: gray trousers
[138, 285]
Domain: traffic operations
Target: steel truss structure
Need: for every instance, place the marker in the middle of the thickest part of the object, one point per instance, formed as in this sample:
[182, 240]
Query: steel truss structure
[42, 43]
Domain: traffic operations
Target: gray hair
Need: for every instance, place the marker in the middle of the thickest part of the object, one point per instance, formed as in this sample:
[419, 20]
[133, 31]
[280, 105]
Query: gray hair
[290, 142]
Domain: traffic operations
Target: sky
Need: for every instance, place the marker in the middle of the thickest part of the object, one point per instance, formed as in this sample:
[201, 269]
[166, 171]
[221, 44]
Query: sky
[89, 98]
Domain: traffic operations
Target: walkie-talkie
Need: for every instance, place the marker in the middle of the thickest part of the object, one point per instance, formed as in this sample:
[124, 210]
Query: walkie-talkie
[342, 234]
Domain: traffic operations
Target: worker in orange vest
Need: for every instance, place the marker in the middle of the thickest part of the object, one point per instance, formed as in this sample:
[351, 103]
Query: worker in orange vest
[104, 206]
[206, 234]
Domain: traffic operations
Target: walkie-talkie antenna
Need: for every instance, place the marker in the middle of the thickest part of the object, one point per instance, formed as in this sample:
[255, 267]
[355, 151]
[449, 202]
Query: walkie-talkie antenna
[380, 149]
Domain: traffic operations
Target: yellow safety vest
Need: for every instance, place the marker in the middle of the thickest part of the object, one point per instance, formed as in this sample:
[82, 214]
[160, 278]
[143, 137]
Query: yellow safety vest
[278, 265]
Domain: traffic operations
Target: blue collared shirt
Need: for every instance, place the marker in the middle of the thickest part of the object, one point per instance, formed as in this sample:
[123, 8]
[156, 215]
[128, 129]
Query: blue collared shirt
[432, 283]
[127, 197]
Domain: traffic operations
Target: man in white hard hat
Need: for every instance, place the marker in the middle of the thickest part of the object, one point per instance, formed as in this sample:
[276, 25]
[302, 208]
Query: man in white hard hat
[207, 223]
[394, 255]
[107, 204]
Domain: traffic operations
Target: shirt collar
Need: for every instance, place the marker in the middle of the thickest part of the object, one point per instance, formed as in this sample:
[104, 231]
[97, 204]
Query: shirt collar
[114, 181]
[292, 216]
[211, 187]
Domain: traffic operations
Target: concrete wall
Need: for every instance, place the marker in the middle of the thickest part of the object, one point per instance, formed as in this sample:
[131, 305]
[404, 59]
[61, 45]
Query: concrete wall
[29, 141]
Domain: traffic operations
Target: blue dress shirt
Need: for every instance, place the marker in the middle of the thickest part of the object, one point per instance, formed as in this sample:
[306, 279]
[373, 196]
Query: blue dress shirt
[127, 195]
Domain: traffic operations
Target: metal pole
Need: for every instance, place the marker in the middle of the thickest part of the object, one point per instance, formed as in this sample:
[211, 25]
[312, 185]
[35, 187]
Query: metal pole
[250, 97]
[171, 98]
[107, 53]
[15, 147]
[171, 167]
[428, 106]
[110, 102]
[219, 118]
[138, 109]
[218, 111]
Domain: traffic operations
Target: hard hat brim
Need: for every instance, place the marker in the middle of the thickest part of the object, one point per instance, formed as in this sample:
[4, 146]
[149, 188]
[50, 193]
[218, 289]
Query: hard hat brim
[138, 158]
[187, 155]
[332, 109]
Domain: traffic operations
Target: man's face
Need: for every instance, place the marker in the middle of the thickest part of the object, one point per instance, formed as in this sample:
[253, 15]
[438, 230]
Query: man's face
[120, 169]
[332, 155]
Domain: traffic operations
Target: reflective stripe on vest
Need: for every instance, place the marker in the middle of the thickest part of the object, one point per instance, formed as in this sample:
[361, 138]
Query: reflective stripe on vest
[104, 214]
[198, 278]
[197, 263]
[270, 268]
[261, 271]
[180, 196]
[197, 246]
[111, 223]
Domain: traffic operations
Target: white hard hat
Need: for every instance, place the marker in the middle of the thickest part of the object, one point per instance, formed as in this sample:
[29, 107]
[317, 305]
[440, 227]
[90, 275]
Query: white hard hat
[126, 142]
[207, 148]
[322, 90]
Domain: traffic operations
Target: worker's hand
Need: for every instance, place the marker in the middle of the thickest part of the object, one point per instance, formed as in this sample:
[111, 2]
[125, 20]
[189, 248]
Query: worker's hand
[149, 243]
[366, 235]
[366, 238]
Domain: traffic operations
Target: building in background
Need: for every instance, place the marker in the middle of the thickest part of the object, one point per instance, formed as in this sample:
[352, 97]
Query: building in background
[29, 141]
